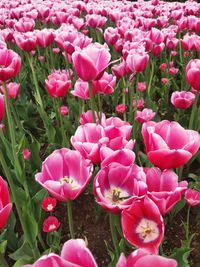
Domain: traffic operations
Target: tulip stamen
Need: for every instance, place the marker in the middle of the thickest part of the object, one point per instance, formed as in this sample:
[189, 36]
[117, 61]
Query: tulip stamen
[70, 181]
[148, 230]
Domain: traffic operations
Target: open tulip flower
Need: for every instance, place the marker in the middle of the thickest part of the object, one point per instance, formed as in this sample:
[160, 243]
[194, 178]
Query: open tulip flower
[65, 174]
[143, 225]
[116, 186]
[142, 258]
[5, 204]
[168, 144]
[74, 254]
[164, 189]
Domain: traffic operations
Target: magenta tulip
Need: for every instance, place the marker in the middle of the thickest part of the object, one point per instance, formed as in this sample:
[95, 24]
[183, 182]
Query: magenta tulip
[168, 144]
[182, 99]
[10, 64]
[142, 258]
[193, 73]
[192, 197]
[164, 189]
[91, 61]
[5, 204]
[58, 83]
[74, 254]
[143, 225]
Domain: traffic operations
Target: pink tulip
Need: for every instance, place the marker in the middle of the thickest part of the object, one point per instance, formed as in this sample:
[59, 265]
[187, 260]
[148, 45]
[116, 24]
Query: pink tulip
[81, 90]
[88, 140]
[95, 21]
[24, 25]
[45, 37]
[121, 108]
[105, 85]
[164, 189]
[111, 35]
[12, 88]
[156, 36]
[142, 258]
[91, 61]
[87, 117]
[182, 99]
[58, 83]
[145, 115]
[26, 41]
[168, 145]
[193, 73]
[26, 154]
[116, 186]
[123, 156]
[64, 110]
[143, 225]
[164, 81]
[65, 174]
[74, 254]
[141, 86]
[75, 251]
[5, 205]
[192, 197]
[137, 62]
[120, 70]
[2, 107]
[10, 63]
[157, 49]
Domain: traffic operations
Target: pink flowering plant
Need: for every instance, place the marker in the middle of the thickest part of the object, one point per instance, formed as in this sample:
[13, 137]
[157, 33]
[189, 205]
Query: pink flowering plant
[99, 133]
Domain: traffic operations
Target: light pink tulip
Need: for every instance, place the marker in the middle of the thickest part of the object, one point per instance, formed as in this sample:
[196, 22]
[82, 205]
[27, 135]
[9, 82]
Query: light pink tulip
[182, 99]
[116, 186]
[5, 204]
[65, 174]
[10, 63]
[91, 61]
[145, 115]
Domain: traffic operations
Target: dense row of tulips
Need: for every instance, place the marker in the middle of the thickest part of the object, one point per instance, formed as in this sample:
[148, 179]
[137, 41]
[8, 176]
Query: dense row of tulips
[106, 94]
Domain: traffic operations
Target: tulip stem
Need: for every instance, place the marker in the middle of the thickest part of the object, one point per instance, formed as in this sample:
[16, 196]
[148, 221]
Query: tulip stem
[17, 204]
[194, 108]
[70, 218]
[188, 224]
[151, 78]
[114, 234]
[93, 104]
[3, 262]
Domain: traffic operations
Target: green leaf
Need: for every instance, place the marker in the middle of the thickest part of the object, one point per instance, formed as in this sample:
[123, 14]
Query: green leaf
[181, 255]
[30, 225]
[3, 246]
[21, 262]
[23, 253]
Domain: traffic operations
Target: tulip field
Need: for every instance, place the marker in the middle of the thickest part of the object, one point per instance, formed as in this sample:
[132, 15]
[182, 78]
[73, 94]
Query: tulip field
[99, 133]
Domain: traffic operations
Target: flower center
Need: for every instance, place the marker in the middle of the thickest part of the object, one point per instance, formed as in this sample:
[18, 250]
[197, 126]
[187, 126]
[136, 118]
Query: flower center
[148, 230]
[49, 207]
[52, 227]
[116, 195]
[74, 185]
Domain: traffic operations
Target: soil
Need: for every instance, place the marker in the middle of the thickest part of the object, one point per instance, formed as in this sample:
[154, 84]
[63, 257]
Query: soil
[96, 230]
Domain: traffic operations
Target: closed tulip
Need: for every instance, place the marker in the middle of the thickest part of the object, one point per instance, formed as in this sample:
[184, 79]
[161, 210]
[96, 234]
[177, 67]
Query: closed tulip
[168, 144]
